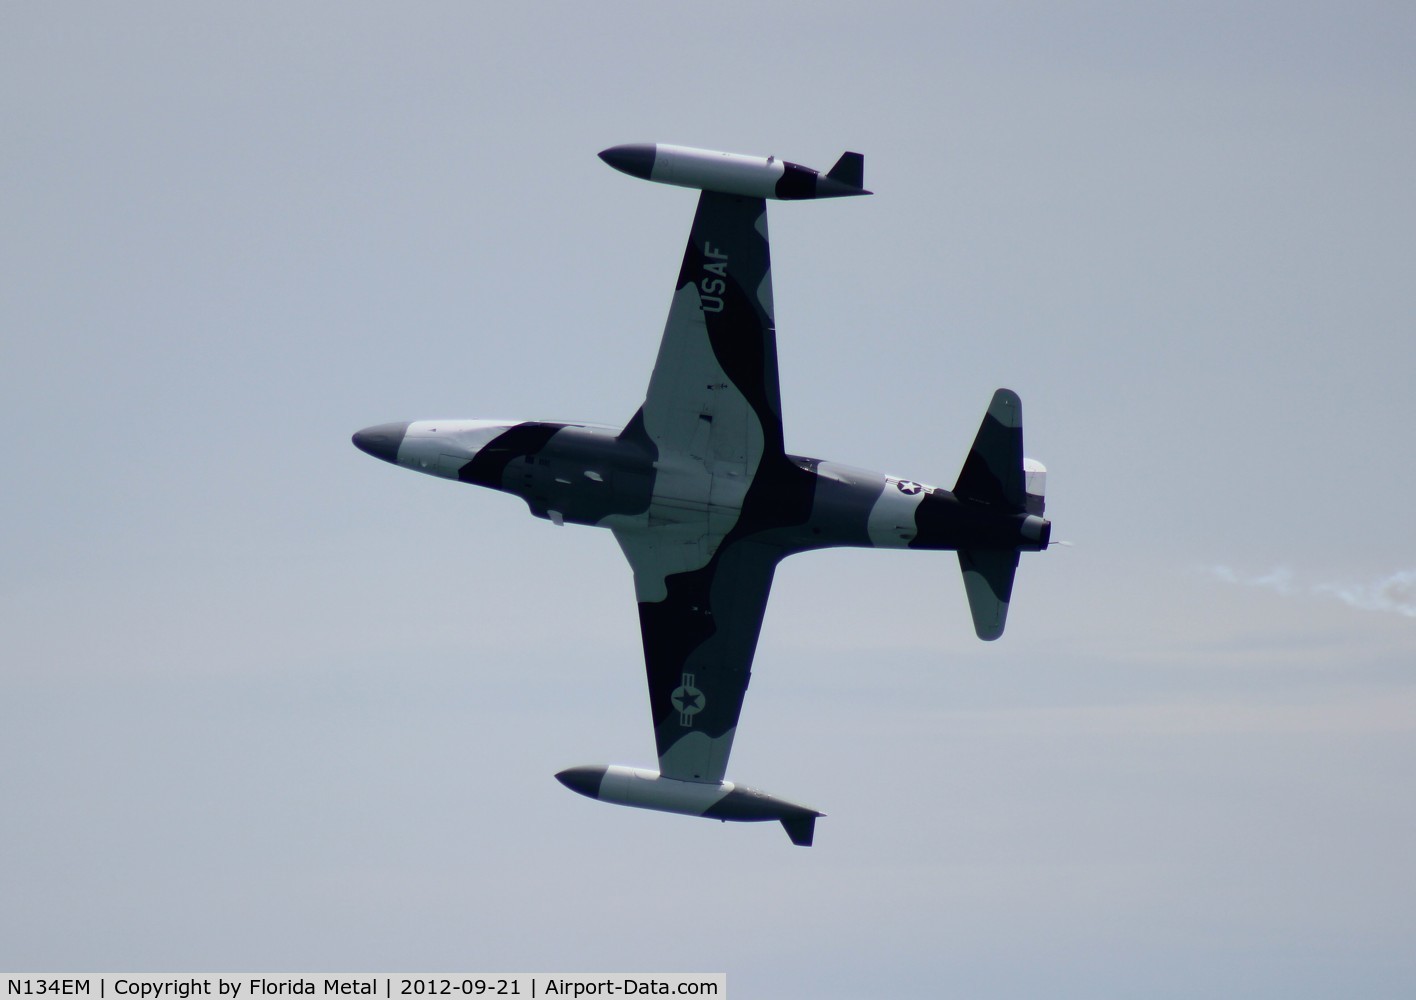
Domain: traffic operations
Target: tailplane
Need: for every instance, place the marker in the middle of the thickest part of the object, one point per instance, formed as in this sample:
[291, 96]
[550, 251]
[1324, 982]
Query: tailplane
[993, 472]
[997, 475]
[988, 580]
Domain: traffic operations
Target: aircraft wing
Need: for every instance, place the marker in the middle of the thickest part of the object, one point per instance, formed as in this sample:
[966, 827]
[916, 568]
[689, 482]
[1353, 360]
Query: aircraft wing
[712, 415]
[698, 646]
[713, 394]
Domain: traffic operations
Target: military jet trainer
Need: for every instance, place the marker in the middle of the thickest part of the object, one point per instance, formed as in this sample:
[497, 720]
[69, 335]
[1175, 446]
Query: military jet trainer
[705, 501]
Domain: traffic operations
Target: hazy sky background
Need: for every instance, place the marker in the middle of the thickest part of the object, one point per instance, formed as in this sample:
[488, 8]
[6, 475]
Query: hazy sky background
[268, 704]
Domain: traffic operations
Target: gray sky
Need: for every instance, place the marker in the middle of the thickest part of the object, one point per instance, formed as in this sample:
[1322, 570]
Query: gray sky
[270, 705]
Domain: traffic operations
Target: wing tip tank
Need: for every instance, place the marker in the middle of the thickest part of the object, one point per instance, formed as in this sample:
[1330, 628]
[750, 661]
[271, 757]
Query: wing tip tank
[633, 158]
[736, 174]
[721, 800]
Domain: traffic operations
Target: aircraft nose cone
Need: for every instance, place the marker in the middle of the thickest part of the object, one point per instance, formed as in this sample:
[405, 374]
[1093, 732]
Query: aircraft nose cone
[584, 779]
[635, 158]
[382, 441]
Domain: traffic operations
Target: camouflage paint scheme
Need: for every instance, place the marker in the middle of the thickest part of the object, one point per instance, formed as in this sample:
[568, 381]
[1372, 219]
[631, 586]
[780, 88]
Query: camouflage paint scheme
[705, 502]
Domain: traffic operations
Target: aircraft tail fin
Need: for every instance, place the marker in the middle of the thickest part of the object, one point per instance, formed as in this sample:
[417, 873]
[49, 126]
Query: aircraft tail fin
[801, 827]
[849, 169]
[1034, 487]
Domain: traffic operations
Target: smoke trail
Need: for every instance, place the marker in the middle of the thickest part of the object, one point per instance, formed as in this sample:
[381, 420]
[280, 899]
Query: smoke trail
[1395, 593]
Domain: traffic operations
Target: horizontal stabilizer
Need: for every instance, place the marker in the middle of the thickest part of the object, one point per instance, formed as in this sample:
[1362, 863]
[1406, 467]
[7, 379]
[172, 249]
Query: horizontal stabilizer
[988, 581]
[993, 472]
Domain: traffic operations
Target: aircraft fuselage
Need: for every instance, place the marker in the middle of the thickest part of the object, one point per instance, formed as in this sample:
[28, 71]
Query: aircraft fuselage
[601, 476]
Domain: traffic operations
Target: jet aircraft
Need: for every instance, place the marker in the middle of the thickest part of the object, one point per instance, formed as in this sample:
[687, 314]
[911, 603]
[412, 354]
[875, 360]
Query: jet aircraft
[704, 499]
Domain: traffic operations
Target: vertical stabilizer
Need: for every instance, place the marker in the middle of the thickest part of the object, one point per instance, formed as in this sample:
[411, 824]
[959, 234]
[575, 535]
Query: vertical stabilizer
[849, 170]
[1035, 486]
[800, 827]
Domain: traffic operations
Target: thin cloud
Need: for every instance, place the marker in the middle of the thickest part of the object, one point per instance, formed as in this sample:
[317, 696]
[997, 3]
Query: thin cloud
[1395, 594]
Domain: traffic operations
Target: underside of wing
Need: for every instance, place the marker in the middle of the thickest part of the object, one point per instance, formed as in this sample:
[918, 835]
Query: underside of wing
[714, 396]
[698, 646]
[712, 419]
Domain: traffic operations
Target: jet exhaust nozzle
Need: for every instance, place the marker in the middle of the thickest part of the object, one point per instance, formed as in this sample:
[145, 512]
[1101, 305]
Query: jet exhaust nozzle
[1036, 532]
